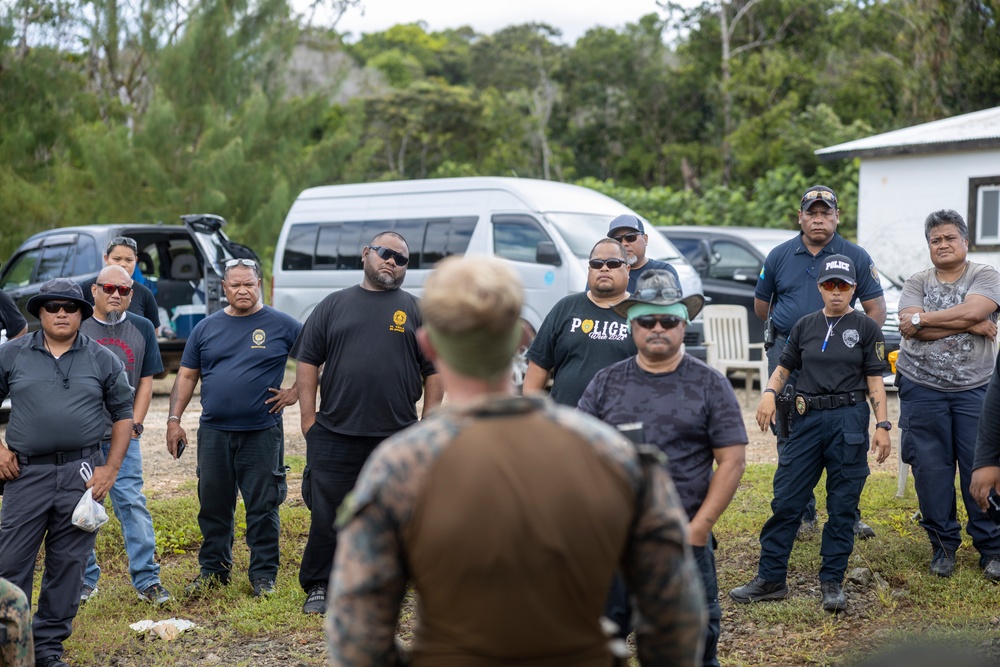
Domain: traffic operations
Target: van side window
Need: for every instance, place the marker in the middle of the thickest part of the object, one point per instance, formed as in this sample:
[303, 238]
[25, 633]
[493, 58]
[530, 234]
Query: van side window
[516, 237]
[446, 237]
[349, 249]
[413, 231]
[300, 247]
[86, 256]
[20, 268]
[327, 243]
[54, 262]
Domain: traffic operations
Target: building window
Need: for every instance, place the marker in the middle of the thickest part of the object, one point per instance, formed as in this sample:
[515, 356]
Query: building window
[984, 213]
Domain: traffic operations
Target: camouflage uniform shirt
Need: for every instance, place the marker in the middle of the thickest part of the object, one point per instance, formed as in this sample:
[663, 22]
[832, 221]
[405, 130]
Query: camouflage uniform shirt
[387, 539]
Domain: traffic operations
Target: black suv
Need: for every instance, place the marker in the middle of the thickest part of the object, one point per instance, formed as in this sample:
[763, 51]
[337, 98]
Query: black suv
[729, 260]
[183, 264]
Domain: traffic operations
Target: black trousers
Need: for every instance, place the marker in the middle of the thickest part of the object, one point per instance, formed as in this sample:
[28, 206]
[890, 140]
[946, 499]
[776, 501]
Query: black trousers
[333, 463]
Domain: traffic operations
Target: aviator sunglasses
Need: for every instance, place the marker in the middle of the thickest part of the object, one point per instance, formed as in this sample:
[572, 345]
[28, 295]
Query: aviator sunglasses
[123, 290]
[666, 321]
[612, 263]
[55, 306]
[626, 238]
[831, 285]
[386, 253]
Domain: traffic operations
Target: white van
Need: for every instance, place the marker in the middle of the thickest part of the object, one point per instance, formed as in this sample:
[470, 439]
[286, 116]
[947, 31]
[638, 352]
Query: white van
[544, 229]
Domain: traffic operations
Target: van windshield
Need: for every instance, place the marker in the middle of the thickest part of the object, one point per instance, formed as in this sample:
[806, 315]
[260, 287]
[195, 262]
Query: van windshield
[582, 230]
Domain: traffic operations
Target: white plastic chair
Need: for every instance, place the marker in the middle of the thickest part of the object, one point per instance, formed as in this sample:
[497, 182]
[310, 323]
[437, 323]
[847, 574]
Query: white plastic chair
[727, 343]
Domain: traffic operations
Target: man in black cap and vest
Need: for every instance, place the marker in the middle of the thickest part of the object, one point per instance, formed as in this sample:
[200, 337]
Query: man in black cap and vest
[60, 383]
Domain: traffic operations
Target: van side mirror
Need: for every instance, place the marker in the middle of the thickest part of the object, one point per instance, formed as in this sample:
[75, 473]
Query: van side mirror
[546, 253]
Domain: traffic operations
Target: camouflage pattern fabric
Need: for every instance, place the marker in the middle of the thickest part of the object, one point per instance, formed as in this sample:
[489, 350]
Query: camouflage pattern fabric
[370, 573]
[15, 615]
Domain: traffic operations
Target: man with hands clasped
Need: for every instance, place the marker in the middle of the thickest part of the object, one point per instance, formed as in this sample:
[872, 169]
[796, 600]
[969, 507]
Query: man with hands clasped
[839, 354]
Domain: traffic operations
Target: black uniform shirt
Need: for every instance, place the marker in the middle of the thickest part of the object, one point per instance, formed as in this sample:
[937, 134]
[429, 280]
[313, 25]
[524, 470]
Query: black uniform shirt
[855, 350]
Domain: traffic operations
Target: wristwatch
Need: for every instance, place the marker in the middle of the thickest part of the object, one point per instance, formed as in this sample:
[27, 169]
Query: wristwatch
[137, 429]
[915, 320]
[887, 425]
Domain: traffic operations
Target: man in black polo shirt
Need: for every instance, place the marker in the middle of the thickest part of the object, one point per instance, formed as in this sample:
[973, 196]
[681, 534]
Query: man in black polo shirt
[61, 383]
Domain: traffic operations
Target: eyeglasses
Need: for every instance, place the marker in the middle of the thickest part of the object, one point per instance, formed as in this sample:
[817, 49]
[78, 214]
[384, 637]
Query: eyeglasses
[838, 285]
[613, 263]
[652, 292]
[123, 290]
[241, 261]
[386, 253]
[626, 238]
[666, 321]
[825, 195]
[55, 306]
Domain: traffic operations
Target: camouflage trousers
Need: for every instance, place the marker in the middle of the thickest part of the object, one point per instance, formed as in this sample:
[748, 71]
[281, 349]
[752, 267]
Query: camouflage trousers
[16, 646]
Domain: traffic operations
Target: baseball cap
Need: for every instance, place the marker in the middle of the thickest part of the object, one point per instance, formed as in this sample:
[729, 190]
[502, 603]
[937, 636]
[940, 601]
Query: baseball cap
[818, 193]
[838, 267]
[626, 221]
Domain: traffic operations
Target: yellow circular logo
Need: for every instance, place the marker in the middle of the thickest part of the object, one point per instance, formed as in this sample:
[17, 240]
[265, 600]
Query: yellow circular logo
[399, 317]
[587, 326]
[258, 337]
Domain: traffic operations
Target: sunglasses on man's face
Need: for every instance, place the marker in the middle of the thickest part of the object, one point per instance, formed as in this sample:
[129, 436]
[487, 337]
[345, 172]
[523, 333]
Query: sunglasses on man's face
[666, 321]
[123, 290]
[55, 306]
[626, 238]
[613, 263]
[838, 285]
[125, 241]
[387, 253]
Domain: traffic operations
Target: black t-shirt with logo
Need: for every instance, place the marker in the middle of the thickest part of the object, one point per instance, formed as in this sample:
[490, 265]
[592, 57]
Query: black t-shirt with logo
[374, 369]
[855, 350]
[577, 339]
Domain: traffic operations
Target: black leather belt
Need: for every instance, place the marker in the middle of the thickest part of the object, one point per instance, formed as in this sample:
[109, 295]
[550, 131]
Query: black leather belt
[57, 458]
[804, 403]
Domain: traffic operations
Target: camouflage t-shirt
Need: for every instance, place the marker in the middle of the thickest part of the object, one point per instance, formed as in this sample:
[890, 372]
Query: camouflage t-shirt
[686, 413]
[960, 361]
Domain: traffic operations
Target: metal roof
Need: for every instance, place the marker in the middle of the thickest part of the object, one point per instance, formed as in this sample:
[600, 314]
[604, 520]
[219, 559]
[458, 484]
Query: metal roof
[971, 131]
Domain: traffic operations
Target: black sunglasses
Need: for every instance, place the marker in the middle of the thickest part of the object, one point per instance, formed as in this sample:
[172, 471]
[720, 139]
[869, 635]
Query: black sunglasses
[649, 293]
[122, 240]
[386, 253]
[612, 263]
[123, 290]
[666, 321]
[627, 238]
[55, 306]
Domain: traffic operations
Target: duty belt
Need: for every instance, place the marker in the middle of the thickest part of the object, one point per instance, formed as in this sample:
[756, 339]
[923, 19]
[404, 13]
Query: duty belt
[805, 403]
[58, 458]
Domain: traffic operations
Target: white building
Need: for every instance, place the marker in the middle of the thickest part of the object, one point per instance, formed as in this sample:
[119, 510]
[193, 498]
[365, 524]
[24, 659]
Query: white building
[906, 174]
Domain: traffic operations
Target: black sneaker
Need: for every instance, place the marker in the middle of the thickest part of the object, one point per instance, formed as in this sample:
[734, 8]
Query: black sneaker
[833, 596]
[992, 568]
[863, 531]
[806, 529]
[155, 593]
[204, 583]
[87, 592]
[315, 600]
[759, 590]
[943, 564]
[263, 587]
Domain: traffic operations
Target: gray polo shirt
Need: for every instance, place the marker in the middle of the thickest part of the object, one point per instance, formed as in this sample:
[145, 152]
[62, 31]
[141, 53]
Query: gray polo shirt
[57, 405]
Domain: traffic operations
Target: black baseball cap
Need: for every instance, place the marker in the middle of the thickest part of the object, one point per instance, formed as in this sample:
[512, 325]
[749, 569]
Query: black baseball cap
[818, 193]
[838, 267]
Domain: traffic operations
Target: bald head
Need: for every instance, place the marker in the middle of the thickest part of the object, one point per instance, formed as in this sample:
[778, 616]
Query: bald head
[115, 274]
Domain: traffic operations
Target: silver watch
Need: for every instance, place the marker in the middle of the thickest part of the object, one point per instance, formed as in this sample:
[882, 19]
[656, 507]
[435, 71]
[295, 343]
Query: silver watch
[915, 320]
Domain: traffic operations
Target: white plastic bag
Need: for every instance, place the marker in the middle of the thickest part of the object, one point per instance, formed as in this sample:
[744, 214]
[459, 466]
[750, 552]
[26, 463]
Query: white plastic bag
[89, 514]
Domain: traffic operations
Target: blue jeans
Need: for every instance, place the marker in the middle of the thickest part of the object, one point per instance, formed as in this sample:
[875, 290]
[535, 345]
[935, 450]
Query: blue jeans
[939, 430]
[705, 557]
[252, 463]
[836, 440]
[129, 505]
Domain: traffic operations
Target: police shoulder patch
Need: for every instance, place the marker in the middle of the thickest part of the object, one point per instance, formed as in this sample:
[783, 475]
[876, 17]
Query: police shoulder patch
[880, 350]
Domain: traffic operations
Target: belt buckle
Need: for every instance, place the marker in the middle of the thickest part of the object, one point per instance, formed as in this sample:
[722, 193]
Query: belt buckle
[801, 405]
